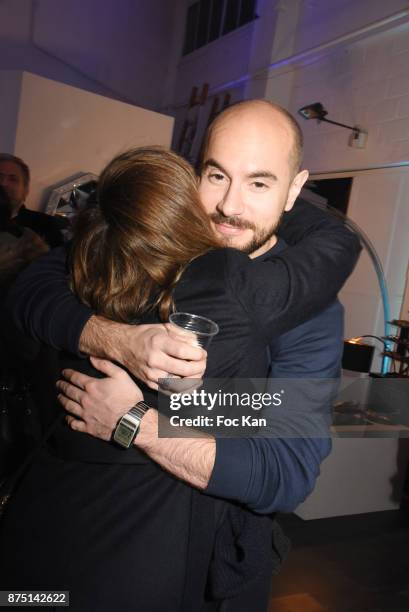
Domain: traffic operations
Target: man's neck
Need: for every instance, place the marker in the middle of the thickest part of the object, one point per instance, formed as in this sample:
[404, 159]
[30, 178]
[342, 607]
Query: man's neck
[266, 247]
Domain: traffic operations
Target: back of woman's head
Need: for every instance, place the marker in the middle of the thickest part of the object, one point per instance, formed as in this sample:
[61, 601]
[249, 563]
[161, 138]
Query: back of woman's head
[130, 249]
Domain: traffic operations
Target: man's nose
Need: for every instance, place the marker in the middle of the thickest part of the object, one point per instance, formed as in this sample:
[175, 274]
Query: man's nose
[232, 203]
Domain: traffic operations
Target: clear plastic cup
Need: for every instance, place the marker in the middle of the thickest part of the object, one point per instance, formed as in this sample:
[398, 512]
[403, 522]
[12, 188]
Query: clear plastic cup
[203, 329]
[188, 326]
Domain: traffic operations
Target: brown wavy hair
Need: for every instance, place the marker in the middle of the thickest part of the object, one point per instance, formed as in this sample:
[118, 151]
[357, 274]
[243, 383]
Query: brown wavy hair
[130, 249]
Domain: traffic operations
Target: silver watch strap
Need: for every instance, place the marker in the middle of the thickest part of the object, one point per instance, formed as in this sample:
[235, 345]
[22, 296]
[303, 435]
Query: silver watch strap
[139, 410]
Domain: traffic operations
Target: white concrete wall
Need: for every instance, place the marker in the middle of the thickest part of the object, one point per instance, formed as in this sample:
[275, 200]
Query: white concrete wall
[117, 49]
[364, 84]
[63, 130]
[321, 20]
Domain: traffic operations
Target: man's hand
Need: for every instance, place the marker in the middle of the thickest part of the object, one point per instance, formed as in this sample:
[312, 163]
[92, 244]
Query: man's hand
[150, 352]
[97, 404]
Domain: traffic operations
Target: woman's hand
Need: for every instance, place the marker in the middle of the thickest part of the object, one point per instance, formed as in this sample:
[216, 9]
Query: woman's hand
[96, 404]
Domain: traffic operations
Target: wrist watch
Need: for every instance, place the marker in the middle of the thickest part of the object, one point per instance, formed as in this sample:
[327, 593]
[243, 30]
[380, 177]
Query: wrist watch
[128, 425]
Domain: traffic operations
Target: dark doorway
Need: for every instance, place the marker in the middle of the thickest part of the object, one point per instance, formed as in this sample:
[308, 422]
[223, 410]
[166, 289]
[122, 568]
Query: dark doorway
[335, 191]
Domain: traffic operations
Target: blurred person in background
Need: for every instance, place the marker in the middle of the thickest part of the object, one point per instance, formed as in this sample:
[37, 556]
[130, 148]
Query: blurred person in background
[18, 245]
[18, 423]
[15, 180]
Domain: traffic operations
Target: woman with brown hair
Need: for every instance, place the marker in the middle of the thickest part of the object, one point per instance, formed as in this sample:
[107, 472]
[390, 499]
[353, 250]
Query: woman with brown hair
[129, 251]
[89, 517]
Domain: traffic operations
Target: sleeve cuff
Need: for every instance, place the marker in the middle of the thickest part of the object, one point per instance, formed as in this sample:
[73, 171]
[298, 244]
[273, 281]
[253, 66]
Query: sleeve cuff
[233, 468]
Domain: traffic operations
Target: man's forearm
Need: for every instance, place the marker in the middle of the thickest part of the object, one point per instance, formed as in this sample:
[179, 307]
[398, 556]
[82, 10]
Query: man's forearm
[104, 338]
[189, 459]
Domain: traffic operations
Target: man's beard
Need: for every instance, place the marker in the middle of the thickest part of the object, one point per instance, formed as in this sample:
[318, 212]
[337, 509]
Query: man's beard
[260, 235]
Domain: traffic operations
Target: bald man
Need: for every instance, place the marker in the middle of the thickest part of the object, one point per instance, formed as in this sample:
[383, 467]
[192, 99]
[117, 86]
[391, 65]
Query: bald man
[250, 179]
[251, 173]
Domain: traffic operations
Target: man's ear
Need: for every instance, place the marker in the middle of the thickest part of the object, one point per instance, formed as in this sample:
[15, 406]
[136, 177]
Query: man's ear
[297, 184]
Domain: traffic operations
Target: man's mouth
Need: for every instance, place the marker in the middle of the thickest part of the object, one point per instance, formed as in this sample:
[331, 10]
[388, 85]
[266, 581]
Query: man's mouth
[229, 230]
[230, 226]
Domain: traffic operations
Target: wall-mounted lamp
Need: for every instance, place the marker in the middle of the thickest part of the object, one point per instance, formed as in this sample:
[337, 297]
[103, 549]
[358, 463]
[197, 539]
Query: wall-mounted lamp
[317, 111]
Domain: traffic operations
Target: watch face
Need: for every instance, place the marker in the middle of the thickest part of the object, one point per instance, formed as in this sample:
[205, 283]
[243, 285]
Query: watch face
[124, 435]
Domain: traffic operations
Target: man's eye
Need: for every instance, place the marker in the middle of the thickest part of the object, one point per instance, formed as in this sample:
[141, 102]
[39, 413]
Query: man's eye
[259, 185]
[216, 177]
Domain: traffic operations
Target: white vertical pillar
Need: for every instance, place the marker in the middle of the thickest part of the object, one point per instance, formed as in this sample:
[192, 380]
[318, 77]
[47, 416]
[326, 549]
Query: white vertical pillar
[274, 39]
